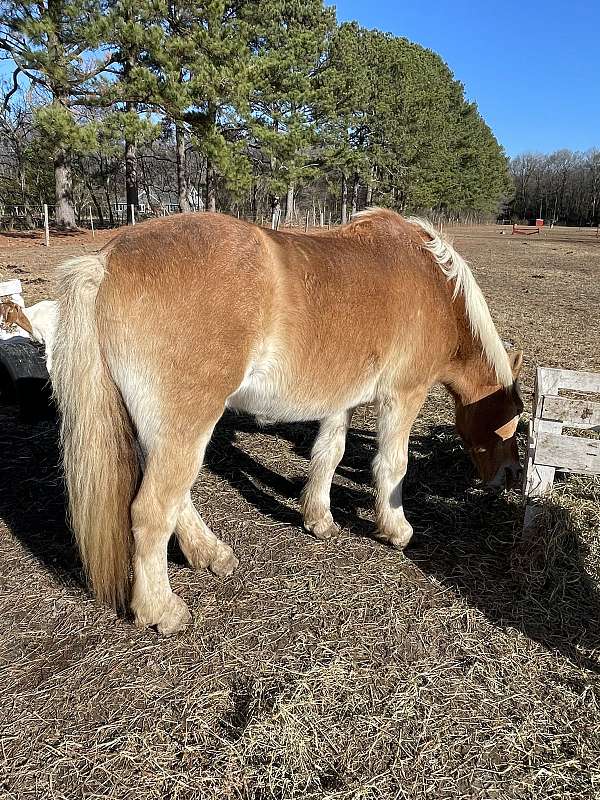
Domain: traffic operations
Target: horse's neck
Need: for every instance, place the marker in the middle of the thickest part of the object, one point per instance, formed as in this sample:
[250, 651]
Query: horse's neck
[471, 377]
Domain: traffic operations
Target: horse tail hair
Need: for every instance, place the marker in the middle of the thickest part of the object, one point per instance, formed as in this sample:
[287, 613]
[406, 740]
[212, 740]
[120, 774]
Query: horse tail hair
[98, 444]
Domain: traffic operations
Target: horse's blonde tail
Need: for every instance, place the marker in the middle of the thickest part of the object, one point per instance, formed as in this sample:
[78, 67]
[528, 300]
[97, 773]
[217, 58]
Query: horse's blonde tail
[100, 463]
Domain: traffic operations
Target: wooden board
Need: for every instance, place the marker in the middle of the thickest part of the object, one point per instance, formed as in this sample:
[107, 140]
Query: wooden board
[10, 287]
[538, 478]
[550, 380]
[572, 413]
[568, 453]
[548, 450]
[524, 231]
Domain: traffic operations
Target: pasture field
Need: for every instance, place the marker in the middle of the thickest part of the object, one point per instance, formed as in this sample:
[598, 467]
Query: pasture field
[467, 667]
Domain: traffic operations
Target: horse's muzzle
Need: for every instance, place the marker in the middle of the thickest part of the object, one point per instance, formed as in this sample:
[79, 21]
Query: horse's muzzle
[507, 477]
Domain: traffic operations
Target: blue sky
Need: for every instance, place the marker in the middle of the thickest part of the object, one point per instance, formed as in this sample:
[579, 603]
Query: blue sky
[534, 76]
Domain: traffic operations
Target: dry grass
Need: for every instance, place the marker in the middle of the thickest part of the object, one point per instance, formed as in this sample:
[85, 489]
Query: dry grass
[466, 668]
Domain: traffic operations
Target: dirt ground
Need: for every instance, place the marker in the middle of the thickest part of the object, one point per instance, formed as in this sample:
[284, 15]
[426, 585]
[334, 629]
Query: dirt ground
[467, 667]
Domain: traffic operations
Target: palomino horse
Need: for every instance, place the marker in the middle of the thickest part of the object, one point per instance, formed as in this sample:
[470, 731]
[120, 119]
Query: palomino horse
[285, 326]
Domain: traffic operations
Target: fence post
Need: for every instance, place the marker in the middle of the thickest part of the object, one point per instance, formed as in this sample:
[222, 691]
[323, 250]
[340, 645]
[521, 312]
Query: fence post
[132, 214]
[46, 226]
[329, 223]
[306, 222]
[92, 224]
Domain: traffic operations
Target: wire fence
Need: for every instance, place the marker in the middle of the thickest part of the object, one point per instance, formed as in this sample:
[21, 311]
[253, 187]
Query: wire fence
[317, 215]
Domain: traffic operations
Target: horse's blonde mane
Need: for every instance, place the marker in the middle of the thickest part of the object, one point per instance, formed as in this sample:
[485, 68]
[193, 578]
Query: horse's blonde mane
[456, 268]
[482, 325]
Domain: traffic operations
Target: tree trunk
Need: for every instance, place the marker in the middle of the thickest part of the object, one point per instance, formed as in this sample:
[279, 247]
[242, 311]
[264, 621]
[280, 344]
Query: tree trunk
[370, 188]
[254, 201]
[344, 199]
[131, 179]
[111, 215]
[289, 205]
[182, 187]
[211, 193]
[64, 208]
[355, 187]
[211, 175]
[275, 211]
[98, 208]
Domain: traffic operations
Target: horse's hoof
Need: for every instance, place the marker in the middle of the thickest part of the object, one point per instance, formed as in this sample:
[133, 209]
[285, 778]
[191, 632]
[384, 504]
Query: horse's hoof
[172, 616]
[224, 561]
[397, 539]
[324, 529]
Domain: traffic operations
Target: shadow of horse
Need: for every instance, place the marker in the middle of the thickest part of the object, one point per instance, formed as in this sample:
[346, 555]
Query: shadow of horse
[32, 497]
[467, 539]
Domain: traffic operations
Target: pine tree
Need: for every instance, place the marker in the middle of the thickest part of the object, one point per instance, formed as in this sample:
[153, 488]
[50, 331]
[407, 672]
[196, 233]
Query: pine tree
[267, 93]
[289, 44]
[343, 109]
[134, 35]
[170, 60]
[51, 43]
[402, 117]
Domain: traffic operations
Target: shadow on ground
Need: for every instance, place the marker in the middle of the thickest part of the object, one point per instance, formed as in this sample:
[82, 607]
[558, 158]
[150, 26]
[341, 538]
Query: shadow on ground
[465, 538]
[32, 501]
[37, 234]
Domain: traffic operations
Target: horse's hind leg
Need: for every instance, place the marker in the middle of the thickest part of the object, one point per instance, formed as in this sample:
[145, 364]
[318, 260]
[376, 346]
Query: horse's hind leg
[199, 544]
[171, 468]
[327, 453]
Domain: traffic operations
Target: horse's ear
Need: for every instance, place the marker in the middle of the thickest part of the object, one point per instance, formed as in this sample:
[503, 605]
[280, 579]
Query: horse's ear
[515, 358]
[24, 322]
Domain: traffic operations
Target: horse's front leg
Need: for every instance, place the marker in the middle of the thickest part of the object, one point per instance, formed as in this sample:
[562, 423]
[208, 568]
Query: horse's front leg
[327, 453]
[396, 417]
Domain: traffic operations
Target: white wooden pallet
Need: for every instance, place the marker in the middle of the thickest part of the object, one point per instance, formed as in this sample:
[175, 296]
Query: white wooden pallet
[548, 449]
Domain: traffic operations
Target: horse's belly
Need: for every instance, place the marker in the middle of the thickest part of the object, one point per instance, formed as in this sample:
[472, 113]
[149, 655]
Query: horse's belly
[272, 392]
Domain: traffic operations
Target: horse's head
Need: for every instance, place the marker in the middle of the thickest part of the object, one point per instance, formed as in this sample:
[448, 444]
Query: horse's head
[488, 427]
[11, 314]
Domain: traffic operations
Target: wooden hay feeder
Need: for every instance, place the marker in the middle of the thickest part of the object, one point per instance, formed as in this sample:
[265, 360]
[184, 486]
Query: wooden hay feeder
[525, 230]
[549, 450]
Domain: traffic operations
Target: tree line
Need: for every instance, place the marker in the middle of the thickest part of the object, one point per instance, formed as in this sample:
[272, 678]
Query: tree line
[563, 187]
[251, 106]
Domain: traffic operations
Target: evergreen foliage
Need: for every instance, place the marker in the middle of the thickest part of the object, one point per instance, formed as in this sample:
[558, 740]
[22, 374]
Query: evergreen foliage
[240, 103]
